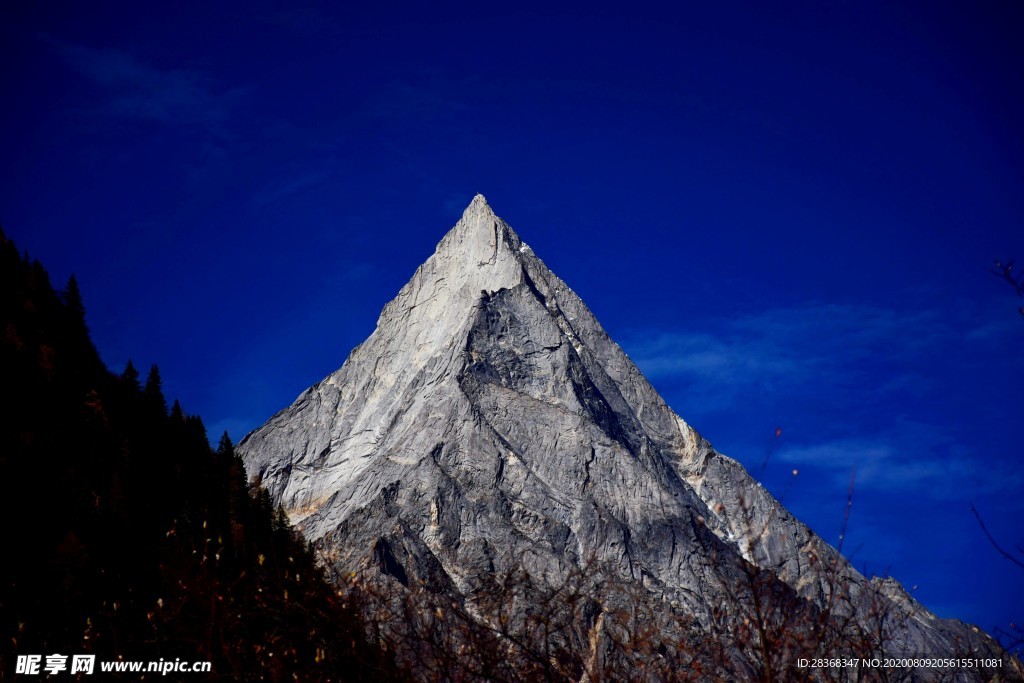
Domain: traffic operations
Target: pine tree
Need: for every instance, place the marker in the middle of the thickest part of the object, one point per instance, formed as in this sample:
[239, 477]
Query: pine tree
[153, 393]
[177, 414]
[72, 297]
[130, 377]
[225, 449]
[196, 430]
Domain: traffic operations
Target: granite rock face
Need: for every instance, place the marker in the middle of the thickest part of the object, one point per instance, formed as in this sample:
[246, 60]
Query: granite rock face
[490, 422]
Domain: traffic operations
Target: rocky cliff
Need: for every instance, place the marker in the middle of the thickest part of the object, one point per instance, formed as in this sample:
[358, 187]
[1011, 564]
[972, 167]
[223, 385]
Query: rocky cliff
[489, 423]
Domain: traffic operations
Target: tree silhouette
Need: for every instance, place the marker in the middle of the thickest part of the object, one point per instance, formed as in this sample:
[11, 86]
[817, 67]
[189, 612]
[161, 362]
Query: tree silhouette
[130, 378]
[153, 392]
[72, 297]
[130, 537]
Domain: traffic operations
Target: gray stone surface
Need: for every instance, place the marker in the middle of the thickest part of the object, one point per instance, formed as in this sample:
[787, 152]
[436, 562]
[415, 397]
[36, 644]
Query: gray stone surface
[490, 422]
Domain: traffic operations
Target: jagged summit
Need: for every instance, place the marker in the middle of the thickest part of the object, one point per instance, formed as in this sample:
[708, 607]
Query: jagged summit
[489, 423]
[480, 233]
[478, 216]
[478, 203]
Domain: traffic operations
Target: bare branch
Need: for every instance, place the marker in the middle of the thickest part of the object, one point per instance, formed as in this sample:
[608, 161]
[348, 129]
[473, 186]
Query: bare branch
[1004, 271]
[992, 540]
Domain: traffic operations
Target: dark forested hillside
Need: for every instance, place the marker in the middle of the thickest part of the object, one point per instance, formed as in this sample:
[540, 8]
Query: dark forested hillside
[125, 535]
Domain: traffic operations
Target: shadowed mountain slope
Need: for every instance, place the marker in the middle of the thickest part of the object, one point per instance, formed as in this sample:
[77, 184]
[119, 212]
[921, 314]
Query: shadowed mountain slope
[489, 424]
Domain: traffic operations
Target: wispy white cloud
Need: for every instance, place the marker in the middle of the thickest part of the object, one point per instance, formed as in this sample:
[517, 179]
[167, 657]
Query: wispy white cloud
[789, 345]
[727, 364]
[906, 456]
[140, 91]
[821, 348]
[1001, 328]
[852, 375]
[289, 184]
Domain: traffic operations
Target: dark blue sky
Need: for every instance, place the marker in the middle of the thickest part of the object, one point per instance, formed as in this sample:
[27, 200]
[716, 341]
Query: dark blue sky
[786, 216]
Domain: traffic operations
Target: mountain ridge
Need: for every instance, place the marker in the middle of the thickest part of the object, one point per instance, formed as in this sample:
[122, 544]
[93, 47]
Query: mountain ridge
[490, 422]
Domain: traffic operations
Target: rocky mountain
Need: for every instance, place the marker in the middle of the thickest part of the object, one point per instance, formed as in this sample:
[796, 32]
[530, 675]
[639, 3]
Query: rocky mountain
[489, 425]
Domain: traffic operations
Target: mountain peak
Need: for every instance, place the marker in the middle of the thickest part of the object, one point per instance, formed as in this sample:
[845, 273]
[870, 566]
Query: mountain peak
[489, 424]
[480, 253]
[478, 203]
[479, 217]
